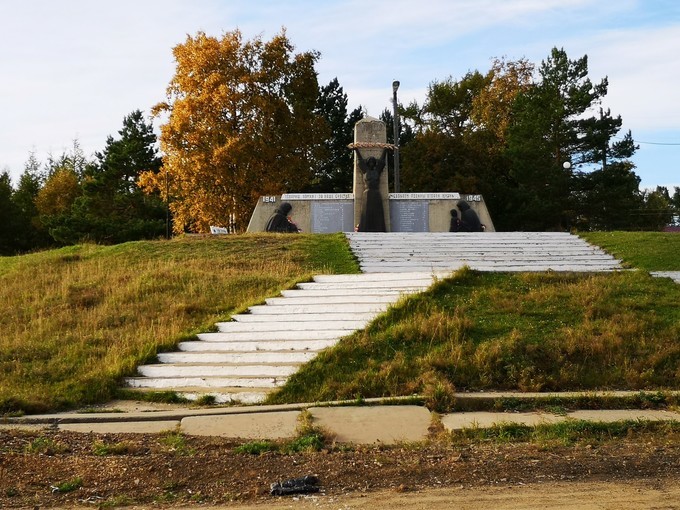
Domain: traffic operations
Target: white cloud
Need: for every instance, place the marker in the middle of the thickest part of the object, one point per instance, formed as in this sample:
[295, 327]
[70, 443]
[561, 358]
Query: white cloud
[643, 71]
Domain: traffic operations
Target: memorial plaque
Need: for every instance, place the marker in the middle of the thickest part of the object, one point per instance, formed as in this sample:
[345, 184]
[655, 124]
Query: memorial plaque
[410, 215]
[329, 217]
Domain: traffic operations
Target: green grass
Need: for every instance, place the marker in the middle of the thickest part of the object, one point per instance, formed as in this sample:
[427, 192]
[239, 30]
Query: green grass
[522, 332]
[651, 251]
[78, 319]
[565, 433]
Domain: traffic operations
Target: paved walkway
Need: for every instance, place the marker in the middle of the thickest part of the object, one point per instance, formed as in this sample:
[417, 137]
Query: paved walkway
[367, 424]
[673, 275]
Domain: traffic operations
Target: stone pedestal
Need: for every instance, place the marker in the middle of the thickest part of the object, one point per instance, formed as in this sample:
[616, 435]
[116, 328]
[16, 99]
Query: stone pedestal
[370, 130]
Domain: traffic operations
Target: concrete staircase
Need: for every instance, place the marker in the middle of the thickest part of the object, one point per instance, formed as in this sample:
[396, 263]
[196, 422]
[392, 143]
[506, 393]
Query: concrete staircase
[256, 352]
[497, 251]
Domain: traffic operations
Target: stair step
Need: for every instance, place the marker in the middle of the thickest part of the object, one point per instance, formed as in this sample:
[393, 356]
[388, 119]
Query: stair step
[334, 300]
[255, 336]
[217, 370]
[349, 308]
[276, 326]
[341, 318]
[166, 383]
[257, 345]
[287, 357]
[344, 293]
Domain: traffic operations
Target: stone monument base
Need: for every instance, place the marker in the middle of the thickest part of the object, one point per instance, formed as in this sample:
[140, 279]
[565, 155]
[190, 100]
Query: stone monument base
[334, 212]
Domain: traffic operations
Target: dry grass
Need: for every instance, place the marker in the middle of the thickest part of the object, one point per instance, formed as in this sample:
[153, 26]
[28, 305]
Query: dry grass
[78, 319]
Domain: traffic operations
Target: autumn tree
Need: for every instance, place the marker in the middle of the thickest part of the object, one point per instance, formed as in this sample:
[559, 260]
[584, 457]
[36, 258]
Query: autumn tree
[241, 123]
[59, 192]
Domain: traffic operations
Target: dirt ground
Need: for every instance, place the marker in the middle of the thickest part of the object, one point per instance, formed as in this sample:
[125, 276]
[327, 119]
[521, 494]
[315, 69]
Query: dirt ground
[146, 471]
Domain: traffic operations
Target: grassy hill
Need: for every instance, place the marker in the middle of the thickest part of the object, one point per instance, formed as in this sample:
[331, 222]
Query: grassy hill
[76, 320]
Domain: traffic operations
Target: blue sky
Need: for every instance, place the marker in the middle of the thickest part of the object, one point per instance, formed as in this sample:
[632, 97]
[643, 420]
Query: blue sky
[72, 69]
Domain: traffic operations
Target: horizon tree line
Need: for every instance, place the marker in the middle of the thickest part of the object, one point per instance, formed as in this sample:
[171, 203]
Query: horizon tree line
[249, 118]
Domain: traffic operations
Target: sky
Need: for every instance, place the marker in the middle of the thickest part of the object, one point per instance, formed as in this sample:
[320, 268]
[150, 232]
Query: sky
[73, 69]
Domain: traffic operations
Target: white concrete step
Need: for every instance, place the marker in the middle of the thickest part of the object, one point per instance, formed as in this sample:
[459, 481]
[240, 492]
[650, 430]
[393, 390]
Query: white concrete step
[375, 277]
[331, 300]
[261, 346]
[344, 293]
[497, 267]
[279, 335]
[346, 308]
[221, 395]
[251, 357]
[331, 316]
[486, 254]
[212, 383]
[275, 326]
[421, 283]
[216, 370]
[673, 275]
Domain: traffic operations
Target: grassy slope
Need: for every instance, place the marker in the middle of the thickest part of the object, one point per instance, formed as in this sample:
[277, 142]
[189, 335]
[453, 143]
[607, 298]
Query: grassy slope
[518, 332]
[652, 251]
[81, 317]
[76, 320]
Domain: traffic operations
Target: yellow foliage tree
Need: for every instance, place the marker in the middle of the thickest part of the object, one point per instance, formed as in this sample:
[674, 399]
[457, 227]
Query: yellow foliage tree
[59, 192]
[241, 123]
[492, 107]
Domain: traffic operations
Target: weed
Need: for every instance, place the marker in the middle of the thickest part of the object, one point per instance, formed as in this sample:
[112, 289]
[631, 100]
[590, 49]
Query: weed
[256, 447]
[102, 449]
[176, 442]
[45, 446]
[206, 400]
[309, 442]
[440, 396]
[68, 485]
[117, 501]
[655, 399]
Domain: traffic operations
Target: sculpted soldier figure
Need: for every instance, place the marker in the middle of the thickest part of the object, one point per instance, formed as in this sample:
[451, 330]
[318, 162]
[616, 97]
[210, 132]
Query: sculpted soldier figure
[372, 214]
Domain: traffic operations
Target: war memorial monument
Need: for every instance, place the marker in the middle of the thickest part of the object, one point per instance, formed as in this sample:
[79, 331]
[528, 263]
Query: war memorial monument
[370, 207]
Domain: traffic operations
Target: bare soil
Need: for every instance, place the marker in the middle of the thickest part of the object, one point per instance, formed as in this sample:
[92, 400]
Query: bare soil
[637, 472]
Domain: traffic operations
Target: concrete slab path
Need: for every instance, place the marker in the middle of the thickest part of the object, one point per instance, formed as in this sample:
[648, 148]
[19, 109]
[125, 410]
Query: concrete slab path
[369, 424]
